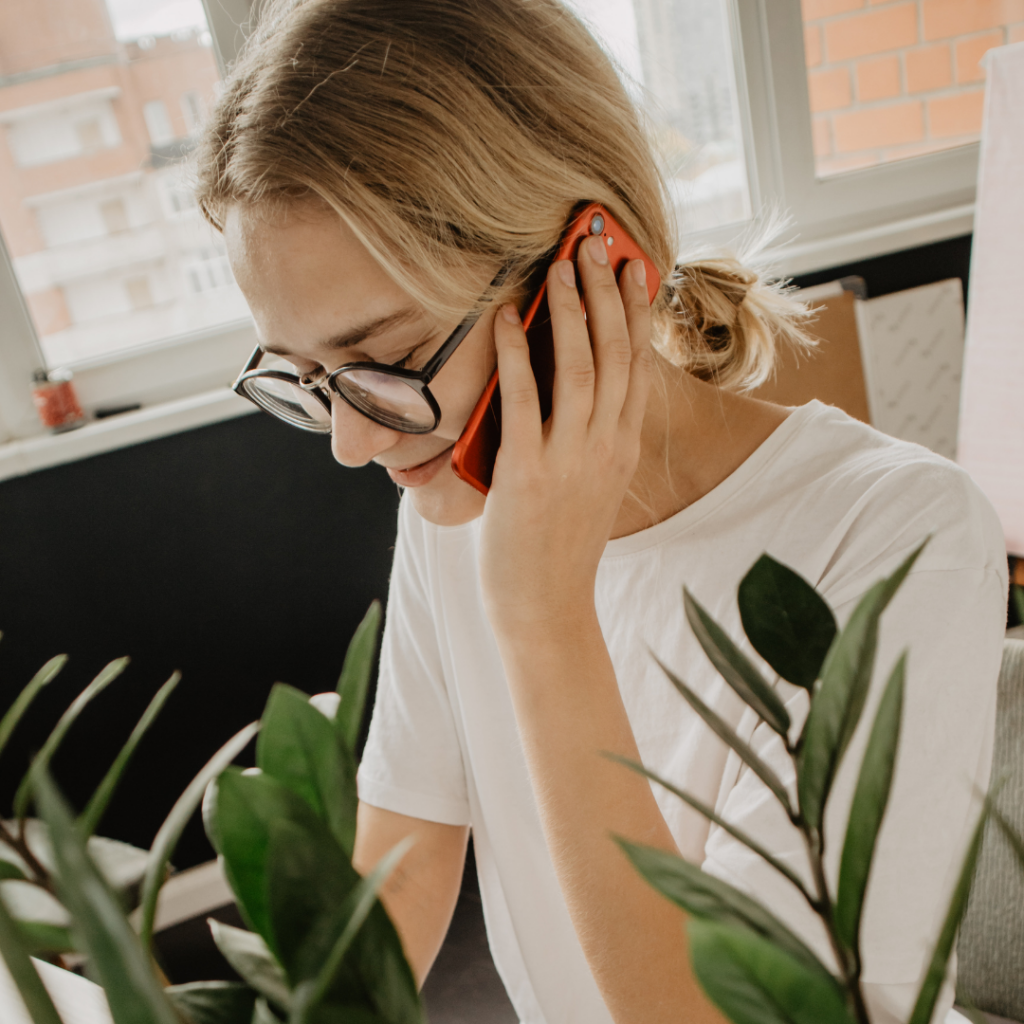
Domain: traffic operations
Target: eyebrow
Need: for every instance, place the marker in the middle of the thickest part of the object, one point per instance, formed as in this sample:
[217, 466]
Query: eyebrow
[360, 333]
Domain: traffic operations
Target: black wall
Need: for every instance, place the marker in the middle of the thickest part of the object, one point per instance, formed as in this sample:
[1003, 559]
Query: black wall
[897, 271]
[239, 553]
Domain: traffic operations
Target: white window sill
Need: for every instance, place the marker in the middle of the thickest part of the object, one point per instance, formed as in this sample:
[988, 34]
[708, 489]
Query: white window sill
[18, 458]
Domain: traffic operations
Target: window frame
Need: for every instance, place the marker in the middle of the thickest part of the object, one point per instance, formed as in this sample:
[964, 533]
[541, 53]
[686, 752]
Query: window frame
[851, 216]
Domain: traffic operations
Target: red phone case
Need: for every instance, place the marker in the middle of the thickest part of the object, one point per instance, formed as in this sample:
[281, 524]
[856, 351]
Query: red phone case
[475, 451]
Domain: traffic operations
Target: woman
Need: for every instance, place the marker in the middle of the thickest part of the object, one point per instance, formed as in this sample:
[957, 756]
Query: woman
[373, 165]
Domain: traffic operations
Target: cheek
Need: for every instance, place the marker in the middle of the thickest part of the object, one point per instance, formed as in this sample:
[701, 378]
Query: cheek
[461, 382]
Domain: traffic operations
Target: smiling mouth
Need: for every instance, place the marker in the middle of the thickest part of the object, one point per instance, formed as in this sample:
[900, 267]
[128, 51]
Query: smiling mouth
[423, 472]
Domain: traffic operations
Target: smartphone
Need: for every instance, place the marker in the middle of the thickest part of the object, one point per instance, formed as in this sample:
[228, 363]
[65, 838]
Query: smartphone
[477, 448]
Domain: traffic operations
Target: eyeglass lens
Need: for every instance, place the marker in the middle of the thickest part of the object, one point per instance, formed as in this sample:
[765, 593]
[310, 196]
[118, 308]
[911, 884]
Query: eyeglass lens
[289, 402]
[387, 399]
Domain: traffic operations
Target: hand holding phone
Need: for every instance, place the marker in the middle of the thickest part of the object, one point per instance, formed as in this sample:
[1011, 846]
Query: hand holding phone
[477, 448]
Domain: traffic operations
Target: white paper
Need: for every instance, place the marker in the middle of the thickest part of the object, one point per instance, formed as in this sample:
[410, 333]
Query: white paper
[991, 444]
[912, 346]
[77, 1000]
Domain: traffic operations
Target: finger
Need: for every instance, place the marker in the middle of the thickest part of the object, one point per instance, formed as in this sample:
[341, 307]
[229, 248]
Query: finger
[520, 408]
[573, 398]
[609, 332]
[635, 302]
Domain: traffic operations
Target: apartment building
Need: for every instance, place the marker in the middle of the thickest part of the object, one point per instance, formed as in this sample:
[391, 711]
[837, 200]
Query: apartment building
[107, 244]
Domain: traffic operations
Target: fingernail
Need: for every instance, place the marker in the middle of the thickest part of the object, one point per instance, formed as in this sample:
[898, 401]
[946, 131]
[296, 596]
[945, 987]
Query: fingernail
[510, 313]
[639, 271]
[567, 273]
[597, 250]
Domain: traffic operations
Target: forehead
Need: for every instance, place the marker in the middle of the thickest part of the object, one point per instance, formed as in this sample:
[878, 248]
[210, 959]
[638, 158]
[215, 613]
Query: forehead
[305, 274]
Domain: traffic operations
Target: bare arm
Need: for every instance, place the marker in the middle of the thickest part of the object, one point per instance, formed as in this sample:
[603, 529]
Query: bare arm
[556, 494]
[420, 895]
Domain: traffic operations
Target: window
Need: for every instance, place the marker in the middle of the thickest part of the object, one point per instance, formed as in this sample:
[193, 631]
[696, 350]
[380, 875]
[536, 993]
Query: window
[100, 228]
[898, 80]
[857, 117]
[678, 58]
[192, 111]
[158, 123]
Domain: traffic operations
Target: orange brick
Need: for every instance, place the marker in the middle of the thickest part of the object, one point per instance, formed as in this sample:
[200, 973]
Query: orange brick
[830, 90]
[826, 8]
[956, 115]
[1016, 34]
[877, 127]
[944, 19]
[889, 28]
[878, 79]
[929, 68]
[970, 51]
[812, 46]
[822, 130]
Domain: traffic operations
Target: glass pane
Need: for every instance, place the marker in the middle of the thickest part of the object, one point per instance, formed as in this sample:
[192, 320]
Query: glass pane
[677, 56]
[99, 104]
[893, 80]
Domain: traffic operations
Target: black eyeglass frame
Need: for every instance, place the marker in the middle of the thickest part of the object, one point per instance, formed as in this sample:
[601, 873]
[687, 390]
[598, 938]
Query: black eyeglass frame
[320, 387]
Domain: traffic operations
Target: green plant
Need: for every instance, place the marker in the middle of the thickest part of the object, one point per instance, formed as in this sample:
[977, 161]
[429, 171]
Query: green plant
[752, 966]
[1017, 597]
[26, 854]
[321, 948]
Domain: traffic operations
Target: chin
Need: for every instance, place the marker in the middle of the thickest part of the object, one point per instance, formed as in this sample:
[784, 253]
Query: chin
[447, 500]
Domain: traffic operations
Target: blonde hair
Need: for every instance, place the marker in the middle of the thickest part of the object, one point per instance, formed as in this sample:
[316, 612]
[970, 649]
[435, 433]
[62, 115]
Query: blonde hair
[456, 136]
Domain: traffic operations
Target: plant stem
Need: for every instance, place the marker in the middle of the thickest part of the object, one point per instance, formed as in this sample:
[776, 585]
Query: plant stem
[848, 960]
[19, 845]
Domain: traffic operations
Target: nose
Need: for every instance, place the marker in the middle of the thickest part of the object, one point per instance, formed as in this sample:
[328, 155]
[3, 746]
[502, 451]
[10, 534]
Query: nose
[355, 438]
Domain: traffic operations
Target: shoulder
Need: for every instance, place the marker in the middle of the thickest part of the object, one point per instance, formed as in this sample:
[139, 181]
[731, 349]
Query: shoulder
[886, 496]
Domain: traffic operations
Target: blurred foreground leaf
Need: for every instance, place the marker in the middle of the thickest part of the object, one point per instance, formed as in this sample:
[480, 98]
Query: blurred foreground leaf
[355, 676]
[42, 760]
[213, 1002]
[21, 703]
[753, 981]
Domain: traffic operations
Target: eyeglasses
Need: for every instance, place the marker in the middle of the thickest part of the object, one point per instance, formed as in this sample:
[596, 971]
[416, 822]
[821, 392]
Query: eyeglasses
[396, 398]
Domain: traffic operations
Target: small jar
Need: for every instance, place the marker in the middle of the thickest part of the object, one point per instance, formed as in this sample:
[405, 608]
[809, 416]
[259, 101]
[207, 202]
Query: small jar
[55, 400]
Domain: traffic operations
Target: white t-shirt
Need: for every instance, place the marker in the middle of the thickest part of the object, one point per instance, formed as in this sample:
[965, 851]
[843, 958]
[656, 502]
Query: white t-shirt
[842, 505]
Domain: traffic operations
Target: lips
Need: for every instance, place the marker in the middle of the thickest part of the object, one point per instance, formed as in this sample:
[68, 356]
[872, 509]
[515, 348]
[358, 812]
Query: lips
[417, 476]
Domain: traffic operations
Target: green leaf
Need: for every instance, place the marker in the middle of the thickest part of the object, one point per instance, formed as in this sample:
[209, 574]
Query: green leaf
[42, 760]
[33, 993]
[868, 808]
[309, 995]
[936, 974]
[213, 1002]
[174, 824]
[9, 871]
[262, 1014]
[735, 668]
[97, 805]
[355, 676]
[301, 748]
[1017, 593]
[116, 957]
[728, 736]
[839, 701]
[21, 703]
[708, 812]
[248, 954]
[752, 981]
[43, 937]
[786, 620]
[707, 897]
[240, 810]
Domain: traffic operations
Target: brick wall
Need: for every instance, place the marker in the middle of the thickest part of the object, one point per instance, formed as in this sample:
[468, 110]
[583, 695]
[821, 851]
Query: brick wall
[896, 78]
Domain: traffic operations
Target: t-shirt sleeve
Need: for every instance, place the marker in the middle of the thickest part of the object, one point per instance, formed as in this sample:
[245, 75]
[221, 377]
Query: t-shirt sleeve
[950, 615]
[412, 763]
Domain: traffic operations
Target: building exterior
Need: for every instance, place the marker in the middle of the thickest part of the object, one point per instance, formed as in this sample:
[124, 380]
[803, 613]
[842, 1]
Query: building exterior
[107, 244]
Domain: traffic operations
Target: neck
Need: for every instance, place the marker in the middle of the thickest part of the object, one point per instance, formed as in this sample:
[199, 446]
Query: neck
[694, 436]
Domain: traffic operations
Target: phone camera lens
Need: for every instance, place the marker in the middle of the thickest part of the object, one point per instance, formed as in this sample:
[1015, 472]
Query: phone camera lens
[597, 224]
